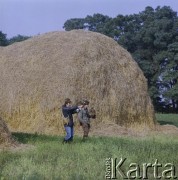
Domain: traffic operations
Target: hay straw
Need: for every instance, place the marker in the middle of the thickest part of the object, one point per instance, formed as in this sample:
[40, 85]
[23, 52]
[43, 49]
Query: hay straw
[36, 76]
[6, 139]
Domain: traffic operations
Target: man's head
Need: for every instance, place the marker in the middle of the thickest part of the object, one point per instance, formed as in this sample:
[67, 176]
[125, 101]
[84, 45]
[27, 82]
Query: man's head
[67, 102]
[85, 103]
[80, 104]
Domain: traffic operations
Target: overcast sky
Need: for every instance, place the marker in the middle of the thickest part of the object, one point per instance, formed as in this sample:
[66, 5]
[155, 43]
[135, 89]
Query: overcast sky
[32, 17]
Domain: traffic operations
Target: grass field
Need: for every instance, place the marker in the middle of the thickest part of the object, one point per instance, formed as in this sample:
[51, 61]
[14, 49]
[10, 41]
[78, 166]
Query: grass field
[167, 119]
[50, 159]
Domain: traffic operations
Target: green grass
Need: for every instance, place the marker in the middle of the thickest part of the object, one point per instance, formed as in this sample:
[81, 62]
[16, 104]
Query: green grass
[171, 119]
[50, 159]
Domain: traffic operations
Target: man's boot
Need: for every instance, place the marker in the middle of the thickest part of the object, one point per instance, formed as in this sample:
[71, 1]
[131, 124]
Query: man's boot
[84, 138]
[64, 141]
[70, 139]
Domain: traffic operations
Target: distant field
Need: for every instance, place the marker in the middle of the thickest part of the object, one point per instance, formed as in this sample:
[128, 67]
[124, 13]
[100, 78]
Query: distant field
[167, 119]
[50, 159]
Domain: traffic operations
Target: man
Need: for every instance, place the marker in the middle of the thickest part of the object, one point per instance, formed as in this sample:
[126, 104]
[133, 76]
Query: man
[84, 117]
[68, 110]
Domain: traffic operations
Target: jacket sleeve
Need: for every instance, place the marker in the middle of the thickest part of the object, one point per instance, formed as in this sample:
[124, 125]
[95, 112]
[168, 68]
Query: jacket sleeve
[80, 115]
[74, 109]
[64, 112]
[71, 109]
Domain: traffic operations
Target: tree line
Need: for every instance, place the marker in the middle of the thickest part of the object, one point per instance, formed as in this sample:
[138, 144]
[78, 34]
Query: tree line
[151, 36]
[4, 41]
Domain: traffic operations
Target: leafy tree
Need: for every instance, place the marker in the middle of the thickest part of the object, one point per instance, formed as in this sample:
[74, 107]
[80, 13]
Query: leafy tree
[3, 39]
[17, 38]
[170, 76]
[75, 23]
[96, 23]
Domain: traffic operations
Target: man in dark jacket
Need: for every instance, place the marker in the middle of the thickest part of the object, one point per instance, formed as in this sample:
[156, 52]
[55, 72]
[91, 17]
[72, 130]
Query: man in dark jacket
[68, 110]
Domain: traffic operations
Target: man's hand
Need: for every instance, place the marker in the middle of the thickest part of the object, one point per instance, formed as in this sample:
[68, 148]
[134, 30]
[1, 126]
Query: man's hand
[92, 113]
[65, 121]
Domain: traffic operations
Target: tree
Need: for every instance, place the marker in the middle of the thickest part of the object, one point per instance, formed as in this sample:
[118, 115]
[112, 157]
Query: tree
[3, 39]
[17, 38]
[154, 31]
[75, 23]
[170, 76]
[96, 23]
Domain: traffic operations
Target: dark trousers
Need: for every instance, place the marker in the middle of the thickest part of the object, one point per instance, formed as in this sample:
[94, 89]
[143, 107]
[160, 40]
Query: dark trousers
[86, 129]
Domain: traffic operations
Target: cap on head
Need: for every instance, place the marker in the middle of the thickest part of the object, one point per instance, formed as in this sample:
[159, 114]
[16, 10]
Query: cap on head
[80, 103]
[86, 102]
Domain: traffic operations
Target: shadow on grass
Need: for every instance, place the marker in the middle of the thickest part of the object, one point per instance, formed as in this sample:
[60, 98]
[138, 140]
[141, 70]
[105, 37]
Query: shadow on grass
[166, 122]
[33, 138]
[26, 138]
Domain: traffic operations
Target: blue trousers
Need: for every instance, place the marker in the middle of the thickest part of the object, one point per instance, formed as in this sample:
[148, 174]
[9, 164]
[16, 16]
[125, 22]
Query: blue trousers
[69, 133]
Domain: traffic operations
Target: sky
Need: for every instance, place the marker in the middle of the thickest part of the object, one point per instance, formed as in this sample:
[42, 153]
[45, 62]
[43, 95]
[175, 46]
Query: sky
[33, 17]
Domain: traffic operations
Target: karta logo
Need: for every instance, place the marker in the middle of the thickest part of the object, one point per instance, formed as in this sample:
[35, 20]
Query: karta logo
[114, 170]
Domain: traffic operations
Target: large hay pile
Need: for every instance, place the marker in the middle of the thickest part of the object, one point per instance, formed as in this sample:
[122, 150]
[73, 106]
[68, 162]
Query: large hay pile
[6, 139]
[38, 74]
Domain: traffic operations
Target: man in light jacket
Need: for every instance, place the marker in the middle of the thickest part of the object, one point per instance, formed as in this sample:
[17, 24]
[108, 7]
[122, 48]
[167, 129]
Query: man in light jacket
[84, 117]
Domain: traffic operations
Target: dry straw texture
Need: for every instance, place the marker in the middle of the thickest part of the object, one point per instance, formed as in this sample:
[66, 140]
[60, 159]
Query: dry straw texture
[38, 74]
[6, 139]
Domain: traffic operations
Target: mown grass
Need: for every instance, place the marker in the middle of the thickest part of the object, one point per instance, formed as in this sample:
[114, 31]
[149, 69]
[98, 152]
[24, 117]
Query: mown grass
[50, 159]
[171, 119]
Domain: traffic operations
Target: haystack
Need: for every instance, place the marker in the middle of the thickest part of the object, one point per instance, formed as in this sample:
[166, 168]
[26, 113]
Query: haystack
[36, 76]
[6, 139]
